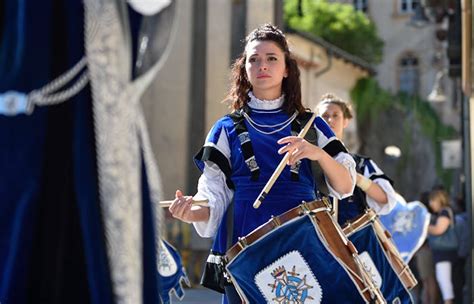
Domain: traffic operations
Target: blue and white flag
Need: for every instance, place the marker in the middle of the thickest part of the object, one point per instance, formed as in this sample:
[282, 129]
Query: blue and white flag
[172, 273]
[408, 225]
[292, 264]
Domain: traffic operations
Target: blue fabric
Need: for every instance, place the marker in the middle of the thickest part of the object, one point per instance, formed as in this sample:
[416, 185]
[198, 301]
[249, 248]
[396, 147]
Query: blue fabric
[366, 240]
[350, 208]
[285, 193]
[50, 214]
[52, 246]
[322, 126]
[300, 236]
[172, 283]
[408, 224]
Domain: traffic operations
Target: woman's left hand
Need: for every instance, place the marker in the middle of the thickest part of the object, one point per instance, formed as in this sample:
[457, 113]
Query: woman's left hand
[299, 148]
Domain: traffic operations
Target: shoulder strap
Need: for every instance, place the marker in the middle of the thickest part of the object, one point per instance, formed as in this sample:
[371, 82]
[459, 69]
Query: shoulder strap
[244, 139]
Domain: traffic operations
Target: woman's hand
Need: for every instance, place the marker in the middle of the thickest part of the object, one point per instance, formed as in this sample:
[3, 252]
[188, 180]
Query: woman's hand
[337, 175]
[182, 208]
[299, 148]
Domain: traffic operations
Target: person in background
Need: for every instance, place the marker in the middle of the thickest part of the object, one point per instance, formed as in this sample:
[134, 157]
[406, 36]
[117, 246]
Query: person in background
[444, 259]
[425, 264]
[374, 189]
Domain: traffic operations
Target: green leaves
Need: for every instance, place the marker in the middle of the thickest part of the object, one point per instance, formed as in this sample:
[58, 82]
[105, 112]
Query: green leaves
[338, 24]
[370, 100]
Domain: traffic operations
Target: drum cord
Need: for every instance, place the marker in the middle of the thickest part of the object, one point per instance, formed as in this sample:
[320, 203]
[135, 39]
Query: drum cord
[370, 286]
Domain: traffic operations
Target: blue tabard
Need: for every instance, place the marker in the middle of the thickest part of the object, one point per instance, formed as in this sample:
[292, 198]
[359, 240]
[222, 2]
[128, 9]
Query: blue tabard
[286, 192]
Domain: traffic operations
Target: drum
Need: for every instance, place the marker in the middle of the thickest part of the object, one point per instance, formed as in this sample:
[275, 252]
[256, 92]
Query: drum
[300, 256]
[373, 241]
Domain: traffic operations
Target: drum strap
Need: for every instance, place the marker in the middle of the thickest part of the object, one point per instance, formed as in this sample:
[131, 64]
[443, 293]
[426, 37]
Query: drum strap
[244, 138]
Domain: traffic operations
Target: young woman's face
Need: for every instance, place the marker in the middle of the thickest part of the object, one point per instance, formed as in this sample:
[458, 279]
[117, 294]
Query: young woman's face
[435, 204]
[334, 116]
[266, 68]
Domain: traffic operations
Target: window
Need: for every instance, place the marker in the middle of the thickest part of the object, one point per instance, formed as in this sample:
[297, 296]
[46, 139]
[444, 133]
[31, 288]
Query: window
[360, 5]
[408, 74]
[408, 6]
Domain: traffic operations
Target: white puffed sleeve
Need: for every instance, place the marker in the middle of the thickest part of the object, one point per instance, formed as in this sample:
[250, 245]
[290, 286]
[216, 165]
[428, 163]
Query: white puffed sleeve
[373, 172]
[348, 162]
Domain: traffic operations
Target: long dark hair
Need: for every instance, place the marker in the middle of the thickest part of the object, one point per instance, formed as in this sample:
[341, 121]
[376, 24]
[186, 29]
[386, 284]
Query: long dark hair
[291, 85]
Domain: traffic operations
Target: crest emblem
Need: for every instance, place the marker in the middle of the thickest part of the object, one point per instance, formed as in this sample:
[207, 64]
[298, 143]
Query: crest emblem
[403, 222]
[166, 264]
[289, 280]
[289, 287]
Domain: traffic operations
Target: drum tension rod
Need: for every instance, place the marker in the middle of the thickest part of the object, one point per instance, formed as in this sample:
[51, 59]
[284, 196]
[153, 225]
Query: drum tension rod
[305, 207]
[242, 242]
[276, 221]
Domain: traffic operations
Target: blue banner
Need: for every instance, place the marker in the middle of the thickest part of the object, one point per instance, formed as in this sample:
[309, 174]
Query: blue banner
[408, 225]
[172, 273]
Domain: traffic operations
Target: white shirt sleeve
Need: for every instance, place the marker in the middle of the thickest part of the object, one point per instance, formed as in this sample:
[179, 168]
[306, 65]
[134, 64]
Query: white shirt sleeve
[213, 187]
[348, 162]
[386, 187]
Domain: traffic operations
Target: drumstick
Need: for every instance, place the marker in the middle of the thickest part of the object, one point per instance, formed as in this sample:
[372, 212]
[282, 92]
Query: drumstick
[281, 166]
[202, 203]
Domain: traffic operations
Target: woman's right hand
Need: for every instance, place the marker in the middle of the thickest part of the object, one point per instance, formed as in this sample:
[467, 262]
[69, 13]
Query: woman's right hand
[181, 207]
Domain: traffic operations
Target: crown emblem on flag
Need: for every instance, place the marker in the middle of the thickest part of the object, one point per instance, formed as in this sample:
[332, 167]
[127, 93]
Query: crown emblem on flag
[289, 287]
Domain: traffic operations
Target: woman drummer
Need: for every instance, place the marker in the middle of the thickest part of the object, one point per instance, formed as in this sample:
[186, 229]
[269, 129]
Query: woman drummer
[374, 189]
[243, 149]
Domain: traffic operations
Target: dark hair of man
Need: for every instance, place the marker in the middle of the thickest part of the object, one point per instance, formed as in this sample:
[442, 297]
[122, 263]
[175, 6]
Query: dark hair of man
[291, 86]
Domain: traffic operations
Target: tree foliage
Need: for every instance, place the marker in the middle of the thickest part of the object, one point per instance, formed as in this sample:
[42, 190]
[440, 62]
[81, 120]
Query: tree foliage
[370, 100]
[339, 24]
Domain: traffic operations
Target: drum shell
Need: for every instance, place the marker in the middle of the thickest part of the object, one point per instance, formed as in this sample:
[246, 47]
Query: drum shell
[326, 229]
[399, 266]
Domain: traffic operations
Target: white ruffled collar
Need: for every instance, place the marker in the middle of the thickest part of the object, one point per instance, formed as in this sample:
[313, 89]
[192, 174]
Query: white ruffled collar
[264, 104]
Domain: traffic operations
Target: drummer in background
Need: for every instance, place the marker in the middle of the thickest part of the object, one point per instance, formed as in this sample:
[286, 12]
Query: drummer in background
[374, 189]
[243, 149]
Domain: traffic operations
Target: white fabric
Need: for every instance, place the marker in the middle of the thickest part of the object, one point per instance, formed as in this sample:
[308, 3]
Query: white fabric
[444, 278]
[260, 104]
[391, 198]
[347, 161]
[212, 186]
[386, 187]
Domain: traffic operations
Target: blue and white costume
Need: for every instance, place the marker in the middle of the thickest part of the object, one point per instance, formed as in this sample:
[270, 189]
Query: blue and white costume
[227, 176]
[355, 205]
